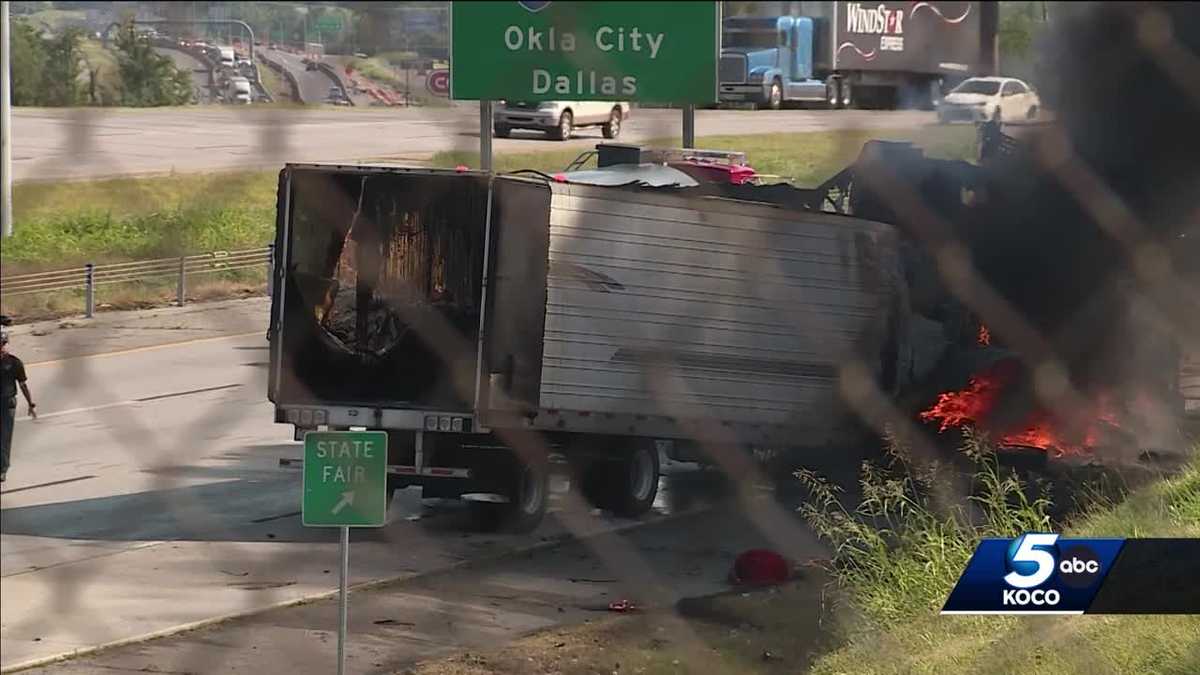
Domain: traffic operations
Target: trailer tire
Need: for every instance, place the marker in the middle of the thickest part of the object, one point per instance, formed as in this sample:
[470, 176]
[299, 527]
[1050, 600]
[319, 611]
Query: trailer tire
[528, 492]
[833, 94]
[626, 486]
[846, 95]
[502, 131]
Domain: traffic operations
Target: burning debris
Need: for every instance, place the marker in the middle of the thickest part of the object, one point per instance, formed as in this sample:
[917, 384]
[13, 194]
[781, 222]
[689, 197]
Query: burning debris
[979, 403]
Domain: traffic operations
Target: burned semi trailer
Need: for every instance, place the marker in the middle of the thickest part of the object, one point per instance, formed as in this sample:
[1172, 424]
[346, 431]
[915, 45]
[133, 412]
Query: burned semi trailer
[488, 321]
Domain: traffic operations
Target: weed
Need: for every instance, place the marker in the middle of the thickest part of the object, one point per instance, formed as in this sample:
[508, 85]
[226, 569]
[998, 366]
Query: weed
[901, 549]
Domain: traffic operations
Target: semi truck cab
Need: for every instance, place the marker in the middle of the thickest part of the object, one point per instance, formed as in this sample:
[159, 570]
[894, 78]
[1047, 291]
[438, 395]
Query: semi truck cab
[888, 54]
[769, 60]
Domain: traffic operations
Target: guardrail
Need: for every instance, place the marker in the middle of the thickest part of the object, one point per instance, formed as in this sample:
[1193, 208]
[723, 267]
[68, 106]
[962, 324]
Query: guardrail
[287, 75]
[90, 276]
[333, 74]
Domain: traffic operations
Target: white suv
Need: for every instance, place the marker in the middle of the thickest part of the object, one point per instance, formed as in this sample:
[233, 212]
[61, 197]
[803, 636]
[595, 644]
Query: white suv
[559, 118]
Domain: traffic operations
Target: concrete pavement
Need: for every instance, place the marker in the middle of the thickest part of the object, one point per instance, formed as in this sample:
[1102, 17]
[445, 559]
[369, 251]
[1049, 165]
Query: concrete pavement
[149, 497]
[314, 84]
[199, 72]
[57, 144]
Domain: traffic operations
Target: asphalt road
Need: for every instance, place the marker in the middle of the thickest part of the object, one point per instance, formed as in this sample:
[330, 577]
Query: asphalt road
[199, 72]
[314, 84]
[150, 496]
[96, 142]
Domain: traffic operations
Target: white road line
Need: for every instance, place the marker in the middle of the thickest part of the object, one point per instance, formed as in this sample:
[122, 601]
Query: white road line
[73, 411]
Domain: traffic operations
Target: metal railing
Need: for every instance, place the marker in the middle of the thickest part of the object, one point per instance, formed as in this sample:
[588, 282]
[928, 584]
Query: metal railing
[90, 276]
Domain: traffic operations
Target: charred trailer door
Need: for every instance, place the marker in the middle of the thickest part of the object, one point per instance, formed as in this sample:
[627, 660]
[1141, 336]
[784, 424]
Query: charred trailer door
[380, 292]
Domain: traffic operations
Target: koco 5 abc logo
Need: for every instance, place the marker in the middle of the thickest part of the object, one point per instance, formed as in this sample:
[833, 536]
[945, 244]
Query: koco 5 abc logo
[1033, 559]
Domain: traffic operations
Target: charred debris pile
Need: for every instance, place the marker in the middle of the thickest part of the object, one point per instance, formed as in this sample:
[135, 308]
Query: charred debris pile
[1064, 266]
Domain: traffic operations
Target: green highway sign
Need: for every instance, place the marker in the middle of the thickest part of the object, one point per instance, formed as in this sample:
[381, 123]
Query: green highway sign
[663, 52]
[345, 479]
[329, 23]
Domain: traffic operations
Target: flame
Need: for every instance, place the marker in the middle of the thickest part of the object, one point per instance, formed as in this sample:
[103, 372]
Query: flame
[985, 336]
[974, 404]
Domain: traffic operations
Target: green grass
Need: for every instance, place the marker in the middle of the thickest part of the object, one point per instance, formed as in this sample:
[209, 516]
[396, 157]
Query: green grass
[59, 225]
[67, 224]
[108, 76]
[807, 158]
[275, 83]
[897, 570]
[55, 20]
[379, 70]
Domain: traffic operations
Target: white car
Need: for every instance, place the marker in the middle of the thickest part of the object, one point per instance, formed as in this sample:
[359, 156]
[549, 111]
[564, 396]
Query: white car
[559, 118]
[982, 99]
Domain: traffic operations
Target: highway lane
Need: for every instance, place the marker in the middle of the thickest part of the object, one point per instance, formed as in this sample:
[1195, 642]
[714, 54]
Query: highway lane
[314, 84]
[97, 142]
[150, 495]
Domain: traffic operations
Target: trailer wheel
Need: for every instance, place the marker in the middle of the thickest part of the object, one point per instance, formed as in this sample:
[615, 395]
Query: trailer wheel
[833, 94]
[847, 94]
[502, 131]
[626, 486]
[528, 492]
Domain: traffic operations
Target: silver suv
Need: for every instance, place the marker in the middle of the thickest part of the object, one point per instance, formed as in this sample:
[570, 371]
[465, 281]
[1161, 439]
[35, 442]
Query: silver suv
[559, 119]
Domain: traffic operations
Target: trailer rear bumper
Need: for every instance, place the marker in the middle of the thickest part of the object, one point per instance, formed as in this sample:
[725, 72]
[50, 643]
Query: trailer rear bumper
[308, 418]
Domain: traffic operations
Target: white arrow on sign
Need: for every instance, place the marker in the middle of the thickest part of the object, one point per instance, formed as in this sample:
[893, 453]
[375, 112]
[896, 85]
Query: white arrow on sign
[346, 500]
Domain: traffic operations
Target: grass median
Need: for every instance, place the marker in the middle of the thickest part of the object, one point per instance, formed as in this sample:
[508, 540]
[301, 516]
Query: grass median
[873, 609]
[67, 224]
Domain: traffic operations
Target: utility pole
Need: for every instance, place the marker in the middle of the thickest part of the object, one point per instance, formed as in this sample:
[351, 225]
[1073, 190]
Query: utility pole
[5, 122]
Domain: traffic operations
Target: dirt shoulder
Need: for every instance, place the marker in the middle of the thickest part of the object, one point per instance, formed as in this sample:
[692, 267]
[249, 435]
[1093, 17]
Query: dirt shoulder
[775, 630]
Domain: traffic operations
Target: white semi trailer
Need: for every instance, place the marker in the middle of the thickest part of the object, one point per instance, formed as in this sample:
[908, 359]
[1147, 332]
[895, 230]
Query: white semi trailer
[485, 321]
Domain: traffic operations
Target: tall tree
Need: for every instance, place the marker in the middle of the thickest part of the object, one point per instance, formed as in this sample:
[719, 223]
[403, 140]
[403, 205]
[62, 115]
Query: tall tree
[62, 69]
[28, 64]
[148, 78]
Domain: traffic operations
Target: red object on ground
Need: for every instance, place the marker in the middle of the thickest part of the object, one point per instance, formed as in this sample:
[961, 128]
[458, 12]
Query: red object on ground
[462, 168]
[760, 567]
[621, 606]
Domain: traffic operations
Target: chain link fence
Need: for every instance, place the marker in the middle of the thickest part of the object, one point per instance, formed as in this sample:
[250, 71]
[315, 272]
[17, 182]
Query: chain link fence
[201, 484]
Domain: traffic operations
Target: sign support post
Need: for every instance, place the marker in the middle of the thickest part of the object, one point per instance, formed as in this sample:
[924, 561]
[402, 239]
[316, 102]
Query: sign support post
[345, 486]
[343, 600]
[485, 135]
[689, 126]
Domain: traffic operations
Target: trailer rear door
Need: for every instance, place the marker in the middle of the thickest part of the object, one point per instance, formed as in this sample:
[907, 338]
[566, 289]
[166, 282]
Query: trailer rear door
[379, 300]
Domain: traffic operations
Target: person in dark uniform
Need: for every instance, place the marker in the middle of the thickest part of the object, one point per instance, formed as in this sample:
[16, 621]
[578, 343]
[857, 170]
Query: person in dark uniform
[12, 377]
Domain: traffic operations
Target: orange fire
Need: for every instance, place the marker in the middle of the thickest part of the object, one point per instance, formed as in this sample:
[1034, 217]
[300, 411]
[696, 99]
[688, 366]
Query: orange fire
[985, 336]
[974, 404]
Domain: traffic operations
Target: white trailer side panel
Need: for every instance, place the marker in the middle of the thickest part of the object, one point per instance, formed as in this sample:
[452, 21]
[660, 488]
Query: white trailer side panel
[706, 308]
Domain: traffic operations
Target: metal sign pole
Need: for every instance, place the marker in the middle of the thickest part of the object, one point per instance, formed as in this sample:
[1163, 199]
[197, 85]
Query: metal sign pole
[343, 601]
[485, 135]
[5, 124]
[689, 126]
